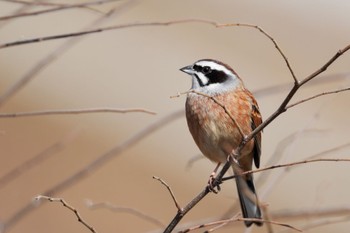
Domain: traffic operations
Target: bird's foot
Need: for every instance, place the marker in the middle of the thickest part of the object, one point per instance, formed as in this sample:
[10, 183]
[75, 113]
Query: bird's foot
[213, 183]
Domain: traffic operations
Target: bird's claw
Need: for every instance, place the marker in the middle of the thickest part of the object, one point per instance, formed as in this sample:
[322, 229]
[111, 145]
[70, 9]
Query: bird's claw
[214, 184]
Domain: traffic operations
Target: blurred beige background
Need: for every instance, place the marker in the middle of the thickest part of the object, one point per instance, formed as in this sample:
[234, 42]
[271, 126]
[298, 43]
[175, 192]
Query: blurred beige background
[139, 67]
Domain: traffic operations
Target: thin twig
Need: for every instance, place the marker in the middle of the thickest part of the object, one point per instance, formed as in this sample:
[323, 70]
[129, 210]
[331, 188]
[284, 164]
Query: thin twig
[71, 208]
[318, 95]
[106, 205]
[217, 102]
[225, 109]
[223, 224]
[75, 111]
[286, 165]
[269, 37]
[170, 191]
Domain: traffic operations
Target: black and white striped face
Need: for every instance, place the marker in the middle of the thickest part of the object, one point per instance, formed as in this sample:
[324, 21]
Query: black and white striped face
[212, 77]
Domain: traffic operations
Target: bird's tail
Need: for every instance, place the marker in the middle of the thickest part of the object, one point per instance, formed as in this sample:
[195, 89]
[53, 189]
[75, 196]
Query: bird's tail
[248, 199]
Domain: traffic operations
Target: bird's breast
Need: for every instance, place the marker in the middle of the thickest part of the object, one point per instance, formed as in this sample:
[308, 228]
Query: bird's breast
[213, 130]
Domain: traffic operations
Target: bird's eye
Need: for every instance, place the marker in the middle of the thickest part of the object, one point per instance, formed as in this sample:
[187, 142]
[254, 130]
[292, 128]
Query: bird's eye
[206, 70]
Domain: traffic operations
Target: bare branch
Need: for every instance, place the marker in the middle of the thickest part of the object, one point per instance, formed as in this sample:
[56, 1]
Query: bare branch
[179, 209]
[316, 96]
[282, 108]
[287, 165]
[75, 111]
[269, 37]
[121, 209]
[326, 65]
[71, 208]
[36, 160]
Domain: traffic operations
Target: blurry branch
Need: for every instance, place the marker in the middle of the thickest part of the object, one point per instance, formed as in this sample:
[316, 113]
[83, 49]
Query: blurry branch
[221, 223]
[193, 160]
[71, 208]
[59, 7]
[170, 191]
[75, 111]
[94, 165]
[35, 70]
[330, 216]
[122, 209]
[331, 150]
[309, 213]
[320, 223]
[36, 160]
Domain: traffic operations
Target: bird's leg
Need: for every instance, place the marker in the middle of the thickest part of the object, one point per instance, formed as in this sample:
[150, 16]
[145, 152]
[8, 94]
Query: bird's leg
[211, 184]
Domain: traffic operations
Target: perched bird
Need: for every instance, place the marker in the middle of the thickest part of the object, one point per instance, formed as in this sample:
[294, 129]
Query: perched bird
[216, 133]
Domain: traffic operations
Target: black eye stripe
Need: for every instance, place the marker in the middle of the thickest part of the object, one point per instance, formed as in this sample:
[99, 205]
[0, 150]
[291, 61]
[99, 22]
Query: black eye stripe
[216, 76]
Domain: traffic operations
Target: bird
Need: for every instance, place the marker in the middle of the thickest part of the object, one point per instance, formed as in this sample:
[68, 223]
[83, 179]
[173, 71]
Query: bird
[220, 112]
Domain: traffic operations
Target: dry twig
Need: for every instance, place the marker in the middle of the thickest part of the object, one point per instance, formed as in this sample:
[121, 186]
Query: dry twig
[36, 160]
[287, 165]
[170, 191]
[71, 208]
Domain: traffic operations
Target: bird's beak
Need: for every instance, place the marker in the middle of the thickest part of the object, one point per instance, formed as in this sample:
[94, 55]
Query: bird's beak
[188, 69]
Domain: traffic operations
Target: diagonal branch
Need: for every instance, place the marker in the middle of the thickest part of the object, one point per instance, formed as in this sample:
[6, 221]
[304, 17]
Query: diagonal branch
[94, 165]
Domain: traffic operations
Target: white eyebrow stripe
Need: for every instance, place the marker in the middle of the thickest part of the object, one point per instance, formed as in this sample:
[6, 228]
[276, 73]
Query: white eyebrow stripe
[214, 66]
